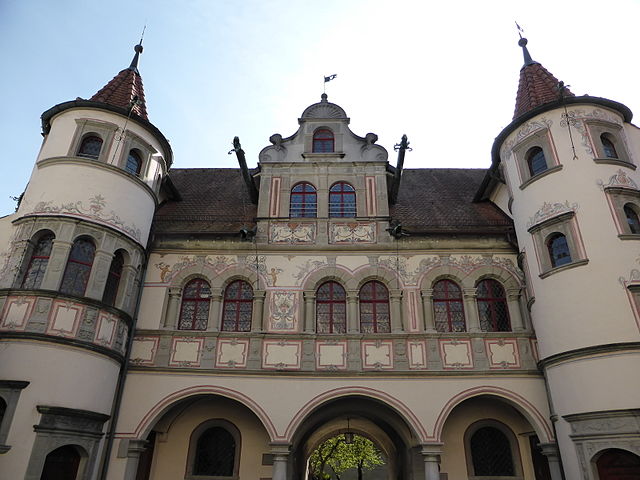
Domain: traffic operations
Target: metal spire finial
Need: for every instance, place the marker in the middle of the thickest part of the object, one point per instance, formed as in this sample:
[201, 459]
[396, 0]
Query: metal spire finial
[138, 49]
[523, 43]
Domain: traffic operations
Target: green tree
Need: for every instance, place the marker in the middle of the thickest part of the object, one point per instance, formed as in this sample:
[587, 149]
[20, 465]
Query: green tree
[338, 456]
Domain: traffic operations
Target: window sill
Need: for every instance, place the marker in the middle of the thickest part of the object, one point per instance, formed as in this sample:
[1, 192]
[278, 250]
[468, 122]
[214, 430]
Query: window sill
[548, 171]
[323, 155]
[629, 236]
[577, 263]
[615, 161]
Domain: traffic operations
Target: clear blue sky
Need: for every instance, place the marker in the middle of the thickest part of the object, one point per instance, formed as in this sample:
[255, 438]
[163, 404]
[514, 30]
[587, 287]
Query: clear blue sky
[444, 73]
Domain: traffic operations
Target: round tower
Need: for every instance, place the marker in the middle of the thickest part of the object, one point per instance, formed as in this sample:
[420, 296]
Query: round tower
[570, 166]
[69, 289]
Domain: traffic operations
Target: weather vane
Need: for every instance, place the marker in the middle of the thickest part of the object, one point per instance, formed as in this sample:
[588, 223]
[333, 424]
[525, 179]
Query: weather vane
[520, 29]
[328, 79]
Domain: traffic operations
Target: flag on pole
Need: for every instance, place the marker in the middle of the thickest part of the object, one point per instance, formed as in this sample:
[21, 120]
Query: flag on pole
[329, 78]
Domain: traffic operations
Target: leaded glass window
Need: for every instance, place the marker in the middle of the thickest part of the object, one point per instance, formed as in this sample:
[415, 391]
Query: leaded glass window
[558, 248]
[90, 147]
[194, 312]
[374, 308]
[238, 307]
[134, 162]
[491, 453]
[448, 307]
[331, 308]
[632, 218]
[323, 141]
[492, 307]
[342, 200]
[113, 279]
[608, 147]
[38, 262]
[536, 161]
[76, 274]
[215, 453]
[304, 203]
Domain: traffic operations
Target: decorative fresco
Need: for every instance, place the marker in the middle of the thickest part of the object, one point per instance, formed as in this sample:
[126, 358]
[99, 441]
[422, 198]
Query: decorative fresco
[232, 353]
[577, 119]
[502, 353]
[377, 354]
[550, 210]
[281, 354]
[217, 263]
[526, 130]
[619, 180]
[283, 307]
[354, 232]
[95, 210]
[292, 233]
[456, 354]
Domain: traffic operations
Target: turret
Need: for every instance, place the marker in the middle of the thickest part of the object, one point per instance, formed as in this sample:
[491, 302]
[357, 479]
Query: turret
[569, 163]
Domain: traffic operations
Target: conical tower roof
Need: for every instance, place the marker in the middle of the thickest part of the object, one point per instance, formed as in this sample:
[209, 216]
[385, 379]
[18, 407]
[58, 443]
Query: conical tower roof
[537, 85]
[125, 90]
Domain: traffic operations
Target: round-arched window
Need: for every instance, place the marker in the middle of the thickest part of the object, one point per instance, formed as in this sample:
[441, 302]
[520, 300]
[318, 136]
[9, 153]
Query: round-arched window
[331, 308]
[323, 141]
[536, 161]
[90, 147]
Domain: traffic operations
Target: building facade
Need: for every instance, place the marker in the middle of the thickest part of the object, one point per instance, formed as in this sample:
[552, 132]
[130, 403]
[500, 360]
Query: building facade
[160, 323]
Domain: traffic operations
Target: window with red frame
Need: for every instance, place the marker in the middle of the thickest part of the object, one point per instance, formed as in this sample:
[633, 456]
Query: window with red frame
[238, 307]
[331, 308]
[194, 311]
[342, 200]
[448, 307]
[323, 141]
[113, 279]
[38, 262]
[76, 274]
[90, 147]
[374, 308]
[304, 201]
[492, 307]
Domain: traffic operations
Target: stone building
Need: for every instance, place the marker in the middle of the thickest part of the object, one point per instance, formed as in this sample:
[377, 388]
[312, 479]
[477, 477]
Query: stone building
[161, 323]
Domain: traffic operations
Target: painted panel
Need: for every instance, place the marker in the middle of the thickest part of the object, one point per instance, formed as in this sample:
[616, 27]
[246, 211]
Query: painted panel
[353, 232]
[144, 349]
[377, 354]
[185, 352]
[331, 355]
[64, 318]
[283, 309]
[106, 329]
[281, 354]
[417, 351]
[503, 353]
[232, 353]
[16, 312]
[456, 354]
[292, 233]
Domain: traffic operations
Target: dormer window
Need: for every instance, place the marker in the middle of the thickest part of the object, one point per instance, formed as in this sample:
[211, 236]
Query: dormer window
[342, 200]
[304, 201]
[134, 162]
[323, 141]
[536, 161]
[90, 147]
[608, 147]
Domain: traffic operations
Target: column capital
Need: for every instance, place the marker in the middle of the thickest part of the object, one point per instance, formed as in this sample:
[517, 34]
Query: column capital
[395, 293]
[426, 293]
[550, 450]
[470, 292]
[281, 449]
[431, 449]
[175, 291]
[309, 295]
[514, 293]
[259, 294]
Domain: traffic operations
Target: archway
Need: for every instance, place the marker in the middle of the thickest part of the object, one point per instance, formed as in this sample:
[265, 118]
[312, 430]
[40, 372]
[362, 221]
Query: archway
[359, 415]
[616, 464]
[62, 463]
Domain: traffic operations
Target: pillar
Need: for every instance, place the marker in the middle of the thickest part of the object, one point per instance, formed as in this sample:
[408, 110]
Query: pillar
[99, 274]
[353, 320]
[395, 299]
[127, 292]
[515, 314]
[57, 263]
[258, 310]
[213, 322]
[309, 310]
[550, 450]
[173, 304]
[134, 450]
[471, 310]
[431, 456]
[427, 310]
[280, 454]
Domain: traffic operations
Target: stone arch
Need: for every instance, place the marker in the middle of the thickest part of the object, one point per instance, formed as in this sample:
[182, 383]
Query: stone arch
[322, 275]
[628, 449]
[224, 278]
[506, 278]
[380, 273]
[449, 272]
[156, 412]
[527, 409]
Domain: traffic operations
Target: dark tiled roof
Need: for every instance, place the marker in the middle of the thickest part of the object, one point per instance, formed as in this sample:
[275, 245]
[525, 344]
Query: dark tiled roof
[441, 200]
[537, 86]
[120, 91]
[215, 201]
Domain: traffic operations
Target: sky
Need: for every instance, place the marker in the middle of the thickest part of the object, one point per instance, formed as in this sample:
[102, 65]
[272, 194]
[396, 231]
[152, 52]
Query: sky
[444, 73]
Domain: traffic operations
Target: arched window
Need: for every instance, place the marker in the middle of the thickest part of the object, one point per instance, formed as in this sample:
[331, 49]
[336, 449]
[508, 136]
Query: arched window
[214, 450]
[491, 454]
[134, 162]
[323, 141]
[558, 248]
[616, 464]
[194, 312]
[38, 262]
[536, 161]
[608, 147]
[113, 279]
[374, 308]
[90, 147]
[61, 464]
[632, 218]
[331, 308]
[448, 307]
[492, 307]
[342, 200]
[76, 275]
[238, 307]
[304, 203]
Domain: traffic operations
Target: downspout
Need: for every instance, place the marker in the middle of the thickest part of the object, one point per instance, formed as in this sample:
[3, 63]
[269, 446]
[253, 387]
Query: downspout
[401, 148]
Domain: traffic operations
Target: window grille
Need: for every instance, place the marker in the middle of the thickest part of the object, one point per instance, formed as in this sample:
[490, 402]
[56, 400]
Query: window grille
[303, 201]
[492, 307]
[238, 307]
[374, 308]
[38, 262]
[491, 453]
[536, 161]
[448, 307]
[194, 312]
[134, 162]
[323, 141]
[215, 453]
[331, 308]
[632, 218]
[608, 147]
[90, 147]
[76, 274]
[342, 200]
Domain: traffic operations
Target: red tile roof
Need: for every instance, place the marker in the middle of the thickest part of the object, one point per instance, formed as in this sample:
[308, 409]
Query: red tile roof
[537, 86]
[121, 90]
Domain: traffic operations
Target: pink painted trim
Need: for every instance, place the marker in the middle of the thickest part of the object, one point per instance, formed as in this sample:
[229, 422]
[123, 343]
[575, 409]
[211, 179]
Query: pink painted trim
[405, 412]
[372, 207]
[342, 366]
[101, 318]
[415, 366]
[230, 341]
[516, 353]
[274, 366]
[274, 201]
[612, 210]
[174, 343]
[522, 404]
[453, 341]
[7, 305]
[76, 321]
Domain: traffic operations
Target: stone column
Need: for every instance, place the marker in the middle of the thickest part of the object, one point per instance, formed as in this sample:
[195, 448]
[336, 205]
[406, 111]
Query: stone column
[280, 460]
[395, 300]
[126, 290]
[427, 310]
[471, 310]
[309, 310]
[214, 322]
[99, 274]
[431, 456]
[353, 320]
[173, 307]
[136, 447]
[17, 264]
[258, 310]
[515, 314]
[57, 263]
[550, 450]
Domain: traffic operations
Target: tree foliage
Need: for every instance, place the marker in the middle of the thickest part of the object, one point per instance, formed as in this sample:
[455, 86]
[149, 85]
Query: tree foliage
[337, 456]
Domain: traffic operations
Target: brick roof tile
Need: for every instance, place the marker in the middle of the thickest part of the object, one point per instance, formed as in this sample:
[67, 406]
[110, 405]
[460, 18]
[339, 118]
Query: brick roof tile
[537, 86]
[121, 90]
